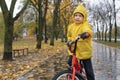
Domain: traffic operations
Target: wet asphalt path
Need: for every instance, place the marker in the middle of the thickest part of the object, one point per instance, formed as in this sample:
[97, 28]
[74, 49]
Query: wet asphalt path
[106, 62]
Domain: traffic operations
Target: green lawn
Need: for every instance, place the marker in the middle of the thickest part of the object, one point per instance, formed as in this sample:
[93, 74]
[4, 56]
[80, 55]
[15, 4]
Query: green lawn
[112, 44]
[1, 28]
[31, 44]
[21, 44]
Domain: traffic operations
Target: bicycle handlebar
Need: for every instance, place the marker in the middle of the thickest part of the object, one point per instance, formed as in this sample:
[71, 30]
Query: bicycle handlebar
[69, 44]
[77, 38]
[74, 41]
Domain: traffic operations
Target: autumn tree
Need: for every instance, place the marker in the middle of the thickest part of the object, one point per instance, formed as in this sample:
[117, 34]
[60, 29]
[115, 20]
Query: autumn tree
[9, 26]
[54, 22]
[41, 6]
[44, 19]
[109, 19]
[38, 5]
[114, 10]
[66, 11]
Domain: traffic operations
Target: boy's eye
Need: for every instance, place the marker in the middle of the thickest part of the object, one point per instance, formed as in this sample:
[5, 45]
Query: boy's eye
[78, 15]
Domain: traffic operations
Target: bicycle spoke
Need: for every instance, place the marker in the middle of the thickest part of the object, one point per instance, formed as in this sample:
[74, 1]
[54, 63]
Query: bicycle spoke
[66, 77]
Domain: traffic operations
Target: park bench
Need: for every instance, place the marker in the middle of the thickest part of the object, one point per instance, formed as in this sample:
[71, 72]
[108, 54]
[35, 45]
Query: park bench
[20, 52]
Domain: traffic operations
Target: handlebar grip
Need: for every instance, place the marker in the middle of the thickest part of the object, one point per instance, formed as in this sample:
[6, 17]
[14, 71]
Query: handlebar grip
[69, 43]
[77, 38]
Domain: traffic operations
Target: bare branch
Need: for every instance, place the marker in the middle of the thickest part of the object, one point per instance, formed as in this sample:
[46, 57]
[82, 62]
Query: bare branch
[22, 10]
[12, 6]
[4, 7]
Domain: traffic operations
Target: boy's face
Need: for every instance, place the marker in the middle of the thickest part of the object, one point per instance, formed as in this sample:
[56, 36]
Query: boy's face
[78, 17]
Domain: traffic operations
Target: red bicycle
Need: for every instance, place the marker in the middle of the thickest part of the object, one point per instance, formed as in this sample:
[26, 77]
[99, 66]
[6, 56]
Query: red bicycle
[76, 71]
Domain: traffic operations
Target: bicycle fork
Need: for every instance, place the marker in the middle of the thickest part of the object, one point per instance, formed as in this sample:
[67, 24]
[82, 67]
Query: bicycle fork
[74, 67]
[71, 77]
[73, 74]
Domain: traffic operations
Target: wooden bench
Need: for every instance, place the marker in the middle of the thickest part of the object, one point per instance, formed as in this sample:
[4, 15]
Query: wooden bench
[20, 52]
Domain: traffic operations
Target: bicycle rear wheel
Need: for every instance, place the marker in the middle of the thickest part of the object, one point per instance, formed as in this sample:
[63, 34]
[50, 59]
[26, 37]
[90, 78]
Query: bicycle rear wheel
[64, 75]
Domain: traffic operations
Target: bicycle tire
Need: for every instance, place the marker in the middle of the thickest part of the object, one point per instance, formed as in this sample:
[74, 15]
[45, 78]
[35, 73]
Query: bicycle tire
[60, 75]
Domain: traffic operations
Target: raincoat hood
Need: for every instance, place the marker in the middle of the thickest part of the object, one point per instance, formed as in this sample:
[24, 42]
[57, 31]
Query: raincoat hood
[81, 9]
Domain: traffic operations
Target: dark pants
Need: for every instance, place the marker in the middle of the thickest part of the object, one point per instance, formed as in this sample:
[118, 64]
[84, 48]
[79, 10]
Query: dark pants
[88, 68]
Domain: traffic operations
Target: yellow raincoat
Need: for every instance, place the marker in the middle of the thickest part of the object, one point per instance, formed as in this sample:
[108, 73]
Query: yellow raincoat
[84, 47]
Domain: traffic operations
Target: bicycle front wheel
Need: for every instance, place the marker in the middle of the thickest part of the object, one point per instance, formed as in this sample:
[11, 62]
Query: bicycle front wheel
[67, 75]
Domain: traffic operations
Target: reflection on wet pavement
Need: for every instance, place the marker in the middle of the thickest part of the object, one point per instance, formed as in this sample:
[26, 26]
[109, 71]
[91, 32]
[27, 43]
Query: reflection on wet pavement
[106, 64]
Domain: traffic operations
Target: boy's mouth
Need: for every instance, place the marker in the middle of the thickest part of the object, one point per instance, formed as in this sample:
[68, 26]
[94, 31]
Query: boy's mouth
[77, 20]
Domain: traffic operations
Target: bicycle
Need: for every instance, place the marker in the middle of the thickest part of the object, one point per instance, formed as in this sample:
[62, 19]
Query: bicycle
[76, 70]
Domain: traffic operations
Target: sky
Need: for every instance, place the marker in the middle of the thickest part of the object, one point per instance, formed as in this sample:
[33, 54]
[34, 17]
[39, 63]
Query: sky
[17, 6]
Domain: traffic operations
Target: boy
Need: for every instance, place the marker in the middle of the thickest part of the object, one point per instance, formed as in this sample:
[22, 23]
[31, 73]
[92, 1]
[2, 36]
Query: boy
[84, 48]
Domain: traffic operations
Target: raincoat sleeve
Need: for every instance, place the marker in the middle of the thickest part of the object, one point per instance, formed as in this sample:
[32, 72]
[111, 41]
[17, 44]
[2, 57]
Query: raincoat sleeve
[88, 29]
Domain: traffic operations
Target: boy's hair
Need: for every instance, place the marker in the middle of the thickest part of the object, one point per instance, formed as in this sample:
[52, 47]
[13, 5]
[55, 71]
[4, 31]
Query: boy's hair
[79, 13]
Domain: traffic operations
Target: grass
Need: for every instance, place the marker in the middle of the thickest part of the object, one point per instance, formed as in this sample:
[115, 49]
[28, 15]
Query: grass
[1, 28]
[31, 44]
[112, 43]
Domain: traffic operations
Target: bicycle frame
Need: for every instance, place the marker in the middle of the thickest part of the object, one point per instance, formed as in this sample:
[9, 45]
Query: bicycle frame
[76, 67]
[76, 70]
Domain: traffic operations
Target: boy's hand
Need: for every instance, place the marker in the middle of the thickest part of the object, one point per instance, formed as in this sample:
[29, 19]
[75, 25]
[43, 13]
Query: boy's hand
[84, 35]
[69, 43]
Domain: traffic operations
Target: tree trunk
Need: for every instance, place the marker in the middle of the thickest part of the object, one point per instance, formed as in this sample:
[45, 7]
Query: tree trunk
[106, 33]
[115, 22]
[115, 32]
[98, 32]
[40, 28]
[46, 38]
[99, 35]
[54, 23]
[110, 29]
[53, 30]
[103, 31]
[66, 29]
[46, 7]
[9, 23]
[62, 35]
